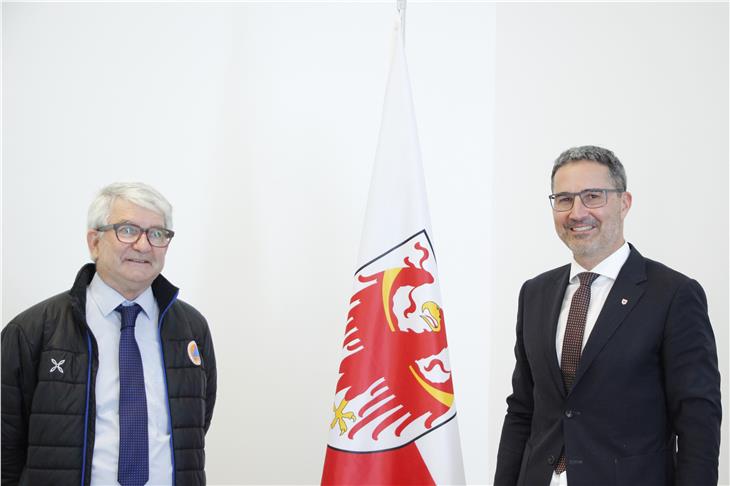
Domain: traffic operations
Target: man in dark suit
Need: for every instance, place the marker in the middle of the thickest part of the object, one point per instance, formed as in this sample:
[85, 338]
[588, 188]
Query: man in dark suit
[616, 380]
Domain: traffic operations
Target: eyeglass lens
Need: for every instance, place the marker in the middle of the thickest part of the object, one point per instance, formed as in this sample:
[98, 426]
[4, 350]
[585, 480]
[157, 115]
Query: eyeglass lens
[129, 233]
[590, 199]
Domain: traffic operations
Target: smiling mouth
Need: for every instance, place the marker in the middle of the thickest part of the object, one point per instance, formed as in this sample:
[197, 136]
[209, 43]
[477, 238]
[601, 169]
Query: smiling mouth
[136, 260]
[582, 228]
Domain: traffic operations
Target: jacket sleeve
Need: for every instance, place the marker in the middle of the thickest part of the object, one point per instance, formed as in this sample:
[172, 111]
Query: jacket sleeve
[517, 422]
[211, 378]
[18, 383]
[692, 383]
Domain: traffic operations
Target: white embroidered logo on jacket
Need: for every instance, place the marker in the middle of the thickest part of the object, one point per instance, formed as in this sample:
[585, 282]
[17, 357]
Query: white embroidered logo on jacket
[57, 365]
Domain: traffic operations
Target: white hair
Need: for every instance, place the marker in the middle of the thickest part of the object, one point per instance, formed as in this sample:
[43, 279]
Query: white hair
[134, 192]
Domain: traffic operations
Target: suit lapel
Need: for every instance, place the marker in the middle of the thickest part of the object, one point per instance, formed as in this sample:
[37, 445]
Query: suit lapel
[553, 304]
[624, 295]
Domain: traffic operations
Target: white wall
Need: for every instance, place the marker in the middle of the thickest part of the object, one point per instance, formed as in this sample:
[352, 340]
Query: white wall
[259, 122]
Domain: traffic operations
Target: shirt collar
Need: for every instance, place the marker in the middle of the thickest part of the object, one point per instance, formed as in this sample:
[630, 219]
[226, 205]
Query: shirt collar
[609, 267]
[108, 299]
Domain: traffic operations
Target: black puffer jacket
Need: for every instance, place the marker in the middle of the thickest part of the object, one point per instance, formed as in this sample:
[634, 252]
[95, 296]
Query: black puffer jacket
[48, 418]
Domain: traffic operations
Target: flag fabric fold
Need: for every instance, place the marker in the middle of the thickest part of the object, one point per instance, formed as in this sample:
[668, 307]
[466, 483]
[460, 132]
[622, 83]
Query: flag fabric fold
[393, 415]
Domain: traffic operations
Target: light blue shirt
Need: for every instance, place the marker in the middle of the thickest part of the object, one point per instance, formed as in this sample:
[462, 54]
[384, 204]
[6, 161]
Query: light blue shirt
[105, 324]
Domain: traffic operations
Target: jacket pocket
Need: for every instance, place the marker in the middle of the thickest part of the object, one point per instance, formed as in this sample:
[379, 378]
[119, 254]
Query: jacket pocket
[646, 469]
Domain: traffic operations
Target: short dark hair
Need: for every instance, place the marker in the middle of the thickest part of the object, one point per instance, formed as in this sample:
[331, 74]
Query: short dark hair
[596, 154]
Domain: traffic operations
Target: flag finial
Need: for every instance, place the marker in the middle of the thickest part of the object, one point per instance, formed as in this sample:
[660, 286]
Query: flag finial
[401, 6]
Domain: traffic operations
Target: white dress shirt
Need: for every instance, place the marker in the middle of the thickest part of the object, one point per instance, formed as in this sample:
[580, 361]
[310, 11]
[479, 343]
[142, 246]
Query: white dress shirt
[607, 270]
[105, 324]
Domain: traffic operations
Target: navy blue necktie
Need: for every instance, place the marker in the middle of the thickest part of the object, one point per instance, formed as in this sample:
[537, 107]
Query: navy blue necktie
[133, 469]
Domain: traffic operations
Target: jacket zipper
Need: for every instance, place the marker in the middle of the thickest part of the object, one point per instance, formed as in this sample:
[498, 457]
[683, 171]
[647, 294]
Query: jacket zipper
[86, 413]
[164, 373]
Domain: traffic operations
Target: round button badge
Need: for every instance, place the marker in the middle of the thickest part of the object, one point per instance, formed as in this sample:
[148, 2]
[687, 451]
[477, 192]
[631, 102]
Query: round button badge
[193, 353]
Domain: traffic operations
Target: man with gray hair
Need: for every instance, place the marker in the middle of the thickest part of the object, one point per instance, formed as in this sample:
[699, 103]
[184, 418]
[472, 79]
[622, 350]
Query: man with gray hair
[113, 381]
[616, 379]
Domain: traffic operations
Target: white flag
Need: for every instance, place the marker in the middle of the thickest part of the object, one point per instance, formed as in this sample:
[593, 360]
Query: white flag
[394, 419]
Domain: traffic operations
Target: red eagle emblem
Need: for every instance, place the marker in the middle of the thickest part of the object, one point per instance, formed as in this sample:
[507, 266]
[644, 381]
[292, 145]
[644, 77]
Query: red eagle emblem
[396, 372]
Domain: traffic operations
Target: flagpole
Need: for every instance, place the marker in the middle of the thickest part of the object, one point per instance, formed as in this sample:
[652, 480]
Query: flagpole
[401, 6]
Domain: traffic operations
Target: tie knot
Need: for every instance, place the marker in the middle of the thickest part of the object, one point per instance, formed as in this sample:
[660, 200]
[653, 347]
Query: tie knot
[587, 278]
[129, 314]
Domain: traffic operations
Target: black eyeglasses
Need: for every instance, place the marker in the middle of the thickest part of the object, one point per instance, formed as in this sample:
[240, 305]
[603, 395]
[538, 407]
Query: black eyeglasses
[131, 233]
[591, 198]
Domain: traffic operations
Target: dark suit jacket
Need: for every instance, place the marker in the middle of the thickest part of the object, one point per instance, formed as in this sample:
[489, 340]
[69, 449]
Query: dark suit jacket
[645, 407]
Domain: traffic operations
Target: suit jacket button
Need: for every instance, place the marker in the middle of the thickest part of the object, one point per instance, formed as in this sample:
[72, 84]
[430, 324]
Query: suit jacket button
[569, 413]
[551, 460]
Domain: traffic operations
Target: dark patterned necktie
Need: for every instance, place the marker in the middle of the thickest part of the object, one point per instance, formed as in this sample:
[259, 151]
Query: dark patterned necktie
[573, 339]
[133, 469]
